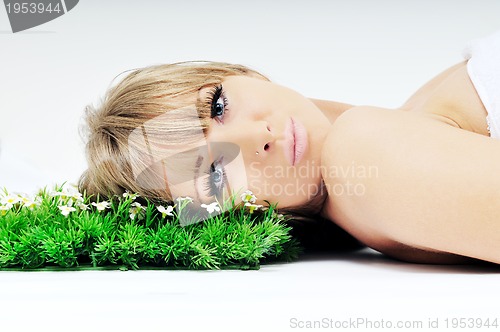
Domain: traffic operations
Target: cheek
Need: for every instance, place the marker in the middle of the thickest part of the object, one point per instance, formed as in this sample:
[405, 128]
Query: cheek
[183, 189]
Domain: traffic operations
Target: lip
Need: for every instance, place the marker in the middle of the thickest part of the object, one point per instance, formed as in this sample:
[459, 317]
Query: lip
[295, 141]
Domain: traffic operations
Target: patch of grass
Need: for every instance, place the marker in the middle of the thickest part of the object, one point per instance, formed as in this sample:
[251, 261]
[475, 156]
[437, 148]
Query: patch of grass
[60, 229]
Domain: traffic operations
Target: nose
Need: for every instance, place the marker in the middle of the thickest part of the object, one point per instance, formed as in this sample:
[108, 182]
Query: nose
[267, 138]
[259, 139]
[255, 139]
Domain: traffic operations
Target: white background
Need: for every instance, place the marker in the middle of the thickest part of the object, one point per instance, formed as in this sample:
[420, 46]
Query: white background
[360, 52]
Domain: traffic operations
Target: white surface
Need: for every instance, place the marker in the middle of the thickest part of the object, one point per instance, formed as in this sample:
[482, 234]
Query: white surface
[363, 285]
[360, 52]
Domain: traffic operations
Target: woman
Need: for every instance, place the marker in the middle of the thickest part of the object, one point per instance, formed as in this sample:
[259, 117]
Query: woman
[417, 183]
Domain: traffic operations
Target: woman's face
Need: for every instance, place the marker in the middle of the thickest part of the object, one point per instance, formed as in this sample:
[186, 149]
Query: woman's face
[263, 137]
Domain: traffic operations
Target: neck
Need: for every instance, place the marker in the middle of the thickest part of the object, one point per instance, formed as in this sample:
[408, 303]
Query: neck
[331, 109]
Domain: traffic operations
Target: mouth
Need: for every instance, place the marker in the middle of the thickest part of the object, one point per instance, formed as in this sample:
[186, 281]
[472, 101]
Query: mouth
[296, 141]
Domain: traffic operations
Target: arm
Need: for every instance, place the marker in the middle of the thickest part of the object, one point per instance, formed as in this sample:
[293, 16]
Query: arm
[436, 188]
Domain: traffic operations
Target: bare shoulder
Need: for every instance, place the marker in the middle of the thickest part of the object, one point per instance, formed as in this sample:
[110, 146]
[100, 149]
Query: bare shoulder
[349, 165]
[397, 177]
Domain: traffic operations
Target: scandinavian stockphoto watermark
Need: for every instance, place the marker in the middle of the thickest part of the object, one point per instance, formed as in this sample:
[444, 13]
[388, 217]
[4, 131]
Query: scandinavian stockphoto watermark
[348, 180]
[26, 14]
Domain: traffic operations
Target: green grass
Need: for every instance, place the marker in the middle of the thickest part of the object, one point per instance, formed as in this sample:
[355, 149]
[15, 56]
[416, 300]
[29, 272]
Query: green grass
[35, 235]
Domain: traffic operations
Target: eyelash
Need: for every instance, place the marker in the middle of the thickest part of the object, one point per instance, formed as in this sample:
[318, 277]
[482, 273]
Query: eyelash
[215, 94]
[211, 187]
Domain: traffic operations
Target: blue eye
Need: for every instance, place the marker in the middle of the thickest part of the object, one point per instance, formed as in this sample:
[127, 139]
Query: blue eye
[218, 104]
[216, 178]
[219, 108]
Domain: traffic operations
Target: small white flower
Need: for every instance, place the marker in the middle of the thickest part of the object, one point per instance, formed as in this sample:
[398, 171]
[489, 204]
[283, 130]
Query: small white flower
[137, 205]
[139, 213]
[56, 193]
[82, 206]
[66, 210]
[68, 193]
[212, 207]
[4, 209]
[61, 198]
[248, 197]
[70, 188]
[77, 198]
[252, 207]
[101, 206]
[137, 210]
[277, 215]
[30, 204]
[165, 212]
[10, 199]
[184, 199]
[128, 195]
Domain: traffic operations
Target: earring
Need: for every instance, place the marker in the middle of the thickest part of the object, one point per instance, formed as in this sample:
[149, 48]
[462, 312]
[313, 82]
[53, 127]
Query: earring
[257, 152]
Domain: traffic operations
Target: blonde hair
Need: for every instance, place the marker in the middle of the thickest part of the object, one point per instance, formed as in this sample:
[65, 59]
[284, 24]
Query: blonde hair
[144, 94]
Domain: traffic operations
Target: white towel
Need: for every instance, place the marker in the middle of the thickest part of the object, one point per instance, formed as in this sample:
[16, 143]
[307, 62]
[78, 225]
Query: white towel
[484, 71]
